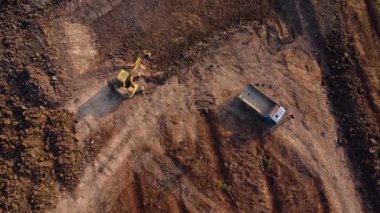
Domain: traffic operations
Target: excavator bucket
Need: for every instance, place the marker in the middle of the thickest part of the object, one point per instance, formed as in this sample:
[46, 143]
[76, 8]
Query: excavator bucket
[147, 54]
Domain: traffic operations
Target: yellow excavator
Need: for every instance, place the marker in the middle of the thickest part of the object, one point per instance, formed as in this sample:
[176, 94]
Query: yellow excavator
[124, 84]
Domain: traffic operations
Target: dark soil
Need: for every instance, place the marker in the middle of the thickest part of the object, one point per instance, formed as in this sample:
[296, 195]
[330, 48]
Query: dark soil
[37, 143]
[348, 96]
[169, 28]
[360, 133]
[373, 7]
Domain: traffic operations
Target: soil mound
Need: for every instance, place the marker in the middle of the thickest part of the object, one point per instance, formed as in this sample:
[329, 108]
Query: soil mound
[37, 143]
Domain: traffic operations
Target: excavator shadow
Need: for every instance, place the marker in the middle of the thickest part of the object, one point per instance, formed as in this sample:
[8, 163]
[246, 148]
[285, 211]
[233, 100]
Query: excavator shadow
[244, 123]
[102, 103]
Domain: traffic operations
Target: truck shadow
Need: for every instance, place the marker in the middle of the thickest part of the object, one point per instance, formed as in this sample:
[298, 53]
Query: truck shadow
[243, 122]
[102, 103]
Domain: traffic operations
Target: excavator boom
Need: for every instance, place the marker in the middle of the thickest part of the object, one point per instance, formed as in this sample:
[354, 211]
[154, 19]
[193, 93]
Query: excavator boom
[135, 67]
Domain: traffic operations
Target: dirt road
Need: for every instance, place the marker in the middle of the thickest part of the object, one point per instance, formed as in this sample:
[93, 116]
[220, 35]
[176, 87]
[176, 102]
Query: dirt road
[190, 145]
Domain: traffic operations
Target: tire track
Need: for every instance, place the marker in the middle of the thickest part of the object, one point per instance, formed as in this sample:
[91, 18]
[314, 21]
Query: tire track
[139, 191]
[209, 117]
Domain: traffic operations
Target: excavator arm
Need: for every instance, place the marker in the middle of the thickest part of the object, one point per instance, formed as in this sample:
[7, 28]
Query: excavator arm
[135, 67]
[137, 64]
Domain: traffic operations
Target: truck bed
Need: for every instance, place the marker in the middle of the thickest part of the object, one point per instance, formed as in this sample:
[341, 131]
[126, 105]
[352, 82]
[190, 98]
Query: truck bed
[257, 100]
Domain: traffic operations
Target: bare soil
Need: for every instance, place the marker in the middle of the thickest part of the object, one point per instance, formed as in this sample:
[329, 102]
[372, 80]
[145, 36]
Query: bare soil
[39, 152]
[353, 96]
[69, 144]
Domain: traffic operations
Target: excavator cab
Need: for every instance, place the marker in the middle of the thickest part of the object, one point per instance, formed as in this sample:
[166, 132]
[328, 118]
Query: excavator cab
[124, 84]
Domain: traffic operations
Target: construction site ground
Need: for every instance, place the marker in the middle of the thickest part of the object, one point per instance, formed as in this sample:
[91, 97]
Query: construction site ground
[180, 144]
[187, 144]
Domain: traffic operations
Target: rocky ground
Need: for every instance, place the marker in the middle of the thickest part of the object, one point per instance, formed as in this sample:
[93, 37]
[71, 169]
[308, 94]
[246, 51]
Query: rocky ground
[37, 143]
[354, 97]
[67, 143]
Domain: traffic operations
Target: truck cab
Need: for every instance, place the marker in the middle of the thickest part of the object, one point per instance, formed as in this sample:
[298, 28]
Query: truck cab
[277, 115]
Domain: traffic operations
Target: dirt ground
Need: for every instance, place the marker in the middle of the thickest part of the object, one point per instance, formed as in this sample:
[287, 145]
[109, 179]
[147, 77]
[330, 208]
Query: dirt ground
[156, 145]
[187, 144]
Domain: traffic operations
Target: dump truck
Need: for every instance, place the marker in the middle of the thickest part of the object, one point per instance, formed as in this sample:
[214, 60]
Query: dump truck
[262, 104]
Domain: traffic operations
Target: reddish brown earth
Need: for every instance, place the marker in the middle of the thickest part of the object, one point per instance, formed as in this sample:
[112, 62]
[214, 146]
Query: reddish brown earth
[68, 144]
